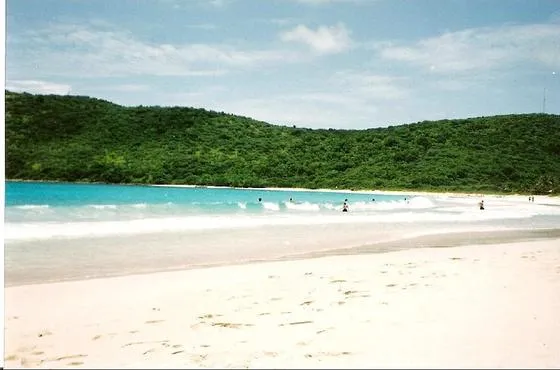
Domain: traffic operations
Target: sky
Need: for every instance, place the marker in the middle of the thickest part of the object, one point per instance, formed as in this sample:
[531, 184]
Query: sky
[343, 64]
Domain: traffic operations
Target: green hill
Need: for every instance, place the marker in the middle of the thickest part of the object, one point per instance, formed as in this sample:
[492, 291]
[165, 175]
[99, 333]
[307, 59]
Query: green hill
[74, 138]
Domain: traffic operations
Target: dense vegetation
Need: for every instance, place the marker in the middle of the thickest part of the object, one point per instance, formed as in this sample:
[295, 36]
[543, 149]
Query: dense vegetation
[73, 138]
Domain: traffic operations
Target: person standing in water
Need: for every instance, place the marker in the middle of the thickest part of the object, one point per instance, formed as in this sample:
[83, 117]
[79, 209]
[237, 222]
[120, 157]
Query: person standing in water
[481, 205]
[345, 206]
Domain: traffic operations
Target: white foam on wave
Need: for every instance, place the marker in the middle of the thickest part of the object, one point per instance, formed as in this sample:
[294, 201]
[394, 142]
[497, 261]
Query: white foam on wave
[33, 206]
[103, 206]
[420, 203]
[80, 229]
[304, 206]
[410, 203]
[331, 206]
[271, 206]
[39, 230]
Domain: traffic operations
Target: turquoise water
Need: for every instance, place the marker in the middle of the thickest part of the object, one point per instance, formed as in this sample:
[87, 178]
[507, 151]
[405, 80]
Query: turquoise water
[59, 231]
[200, 199]
[42, 210]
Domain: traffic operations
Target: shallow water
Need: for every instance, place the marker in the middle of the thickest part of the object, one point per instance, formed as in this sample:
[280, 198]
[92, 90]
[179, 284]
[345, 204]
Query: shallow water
[59, 232]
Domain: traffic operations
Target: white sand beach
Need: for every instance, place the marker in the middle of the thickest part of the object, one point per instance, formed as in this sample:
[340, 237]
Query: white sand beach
[492, 306]
[539, 199]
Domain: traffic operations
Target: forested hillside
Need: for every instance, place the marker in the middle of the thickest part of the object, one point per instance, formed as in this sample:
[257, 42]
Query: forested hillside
[72, 138]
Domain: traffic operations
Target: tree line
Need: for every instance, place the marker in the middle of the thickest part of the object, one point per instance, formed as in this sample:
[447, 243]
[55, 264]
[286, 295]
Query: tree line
[77, 138]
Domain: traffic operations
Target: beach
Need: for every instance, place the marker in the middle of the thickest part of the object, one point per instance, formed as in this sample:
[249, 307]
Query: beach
[413, 280]
[481, 305]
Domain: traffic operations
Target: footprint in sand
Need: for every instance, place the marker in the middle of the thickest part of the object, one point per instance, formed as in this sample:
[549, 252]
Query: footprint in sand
[209, 316]
[229, 325]
[136, 343]
[70, 357]
[297, 323]
[325, 354]
[11, 358]
[153, 321]
[338, 281]
[99, 336]
[44, 333]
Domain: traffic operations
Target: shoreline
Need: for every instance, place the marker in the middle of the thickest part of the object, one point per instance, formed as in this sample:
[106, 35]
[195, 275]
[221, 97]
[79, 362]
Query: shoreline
[433, 239]
[478, 305]
[361, 191]
[437, 240]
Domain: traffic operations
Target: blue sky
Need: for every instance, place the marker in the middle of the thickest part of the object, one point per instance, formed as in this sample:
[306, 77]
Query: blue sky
[311, 63]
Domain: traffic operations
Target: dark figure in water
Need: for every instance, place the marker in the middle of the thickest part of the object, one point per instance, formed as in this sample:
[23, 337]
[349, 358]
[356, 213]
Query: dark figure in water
[260, 199]
[481, 205]
[345, 207]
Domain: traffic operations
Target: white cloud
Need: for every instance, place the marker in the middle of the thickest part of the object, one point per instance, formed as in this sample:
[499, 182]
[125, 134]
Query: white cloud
[211, 3]
[300, 110]
[365, 85]
[348, 99]
[129, 87]
[90, 50]
[37, 87]
[325, 39]
[482, 48]
[322, 2]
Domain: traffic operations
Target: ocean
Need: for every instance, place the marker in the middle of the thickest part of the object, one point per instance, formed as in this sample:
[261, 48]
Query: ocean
[64, 231]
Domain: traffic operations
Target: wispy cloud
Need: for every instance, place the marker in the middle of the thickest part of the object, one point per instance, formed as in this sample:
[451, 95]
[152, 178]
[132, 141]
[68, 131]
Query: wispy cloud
[177, 4]
[324, 39]
[203, 26]
[299, 109]
[98, 50]
[365, 85]
[323, 2]
[347, 95]
[128, 87]
[219, 3]
[280, 21]
[38, 87]
[482, 48]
